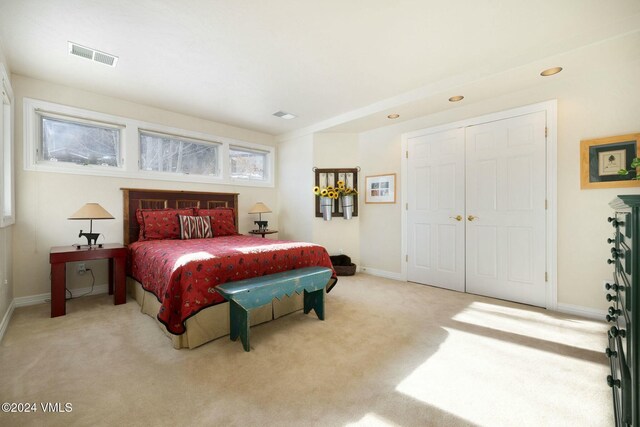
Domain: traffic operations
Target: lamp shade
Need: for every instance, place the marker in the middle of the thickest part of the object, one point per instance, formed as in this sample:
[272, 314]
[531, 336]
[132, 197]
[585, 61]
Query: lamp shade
[91, 211]
[259, 208]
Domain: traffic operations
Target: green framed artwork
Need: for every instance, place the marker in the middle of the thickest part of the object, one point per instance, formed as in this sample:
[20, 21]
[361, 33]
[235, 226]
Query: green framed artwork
[602, 158]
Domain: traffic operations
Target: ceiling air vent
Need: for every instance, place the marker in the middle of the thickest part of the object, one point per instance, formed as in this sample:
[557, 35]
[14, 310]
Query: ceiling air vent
[284, 115]
[92, 54]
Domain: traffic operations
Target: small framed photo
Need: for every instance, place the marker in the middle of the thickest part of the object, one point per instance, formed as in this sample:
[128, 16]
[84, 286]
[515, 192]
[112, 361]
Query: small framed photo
[601, 159]
[380, 188]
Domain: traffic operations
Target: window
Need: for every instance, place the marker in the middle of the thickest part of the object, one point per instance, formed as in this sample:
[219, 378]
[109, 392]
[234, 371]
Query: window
[7, 197]
[82, 143]
[166, 153]
[71, 140]
[247, 163]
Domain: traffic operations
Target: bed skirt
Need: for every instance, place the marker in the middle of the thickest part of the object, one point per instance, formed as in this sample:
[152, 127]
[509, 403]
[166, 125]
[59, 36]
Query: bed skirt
[212, 322]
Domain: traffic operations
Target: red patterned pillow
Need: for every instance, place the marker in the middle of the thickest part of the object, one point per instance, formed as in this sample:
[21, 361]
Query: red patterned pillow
[195, 227]
[157, 224]
[140, 224]
[222, 220]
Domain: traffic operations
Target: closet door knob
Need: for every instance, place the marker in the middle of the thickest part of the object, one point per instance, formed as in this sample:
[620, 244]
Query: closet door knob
[471, 217]
[457, 218]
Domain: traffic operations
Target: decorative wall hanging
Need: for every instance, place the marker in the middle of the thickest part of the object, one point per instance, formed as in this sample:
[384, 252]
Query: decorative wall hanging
[337, 191]
[602, 159]
[380, 188]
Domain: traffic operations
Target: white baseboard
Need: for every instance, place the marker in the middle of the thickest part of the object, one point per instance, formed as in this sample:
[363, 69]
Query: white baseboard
[6, 319]
[591, 313]
[42, 298]
[576, 310]
[382, 273]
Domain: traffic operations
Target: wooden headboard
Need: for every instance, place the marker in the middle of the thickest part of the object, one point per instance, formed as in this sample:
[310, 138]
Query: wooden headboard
[137, 198]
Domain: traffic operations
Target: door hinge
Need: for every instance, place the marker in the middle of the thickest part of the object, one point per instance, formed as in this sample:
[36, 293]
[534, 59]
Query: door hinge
[546, 131]
[406, 258]
[546, 276]
[406, 154]
[546, 204]
[406, 206]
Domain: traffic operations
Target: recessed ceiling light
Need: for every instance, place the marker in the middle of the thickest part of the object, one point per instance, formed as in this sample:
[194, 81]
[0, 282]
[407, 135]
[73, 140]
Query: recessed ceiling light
[393, 116]
[551, 71]
[284, 115]
[456, 98]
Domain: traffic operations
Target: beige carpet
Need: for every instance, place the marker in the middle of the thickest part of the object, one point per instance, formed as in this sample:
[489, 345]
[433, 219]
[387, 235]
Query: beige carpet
[389, 353]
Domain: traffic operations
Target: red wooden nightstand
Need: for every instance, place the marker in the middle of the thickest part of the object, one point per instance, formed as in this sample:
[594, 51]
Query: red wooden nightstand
[60, 255]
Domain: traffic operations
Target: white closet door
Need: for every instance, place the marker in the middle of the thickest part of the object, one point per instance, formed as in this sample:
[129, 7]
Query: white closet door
[435, 199]
[505, 209]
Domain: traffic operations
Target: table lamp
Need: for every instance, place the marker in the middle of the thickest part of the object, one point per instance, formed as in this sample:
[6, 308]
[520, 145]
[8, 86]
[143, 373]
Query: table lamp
[260, 208]
[91, 211]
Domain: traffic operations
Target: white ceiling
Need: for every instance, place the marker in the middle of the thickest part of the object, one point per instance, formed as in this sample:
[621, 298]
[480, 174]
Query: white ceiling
[335, 63]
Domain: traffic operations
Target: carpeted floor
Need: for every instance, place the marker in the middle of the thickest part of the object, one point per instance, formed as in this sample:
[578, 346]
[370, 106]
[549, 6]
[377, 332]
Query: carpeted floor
[388, 353]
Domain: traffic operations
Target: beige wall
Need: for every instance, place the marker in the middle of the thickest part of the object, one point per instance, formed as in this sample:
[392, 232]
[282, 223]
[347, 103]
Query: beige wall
[337, 150]
[298, 157]
[601, 101]
[295, 181]
[6, 291]
[380, 226]
[45, 200]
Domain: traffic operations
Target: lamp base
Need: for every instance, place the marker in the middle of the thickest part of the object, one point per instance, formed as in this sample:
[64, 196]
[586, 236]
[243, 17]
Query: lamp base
[92, 238]
[262, 225]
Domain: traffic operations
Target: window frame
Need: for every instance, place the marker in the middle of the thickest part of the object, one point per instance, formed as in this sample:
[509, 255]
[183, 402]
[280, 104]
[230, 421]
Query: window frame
[244, 147]
[33, 111]
[130, 165]
[7, 132]
[184, 138]
[80, 121]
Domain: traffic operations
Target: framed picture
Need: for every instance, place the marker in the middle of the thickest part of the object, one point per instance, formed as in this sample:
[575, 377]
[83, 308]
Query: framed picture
[380, 188]
[329, 177]
[601, 159]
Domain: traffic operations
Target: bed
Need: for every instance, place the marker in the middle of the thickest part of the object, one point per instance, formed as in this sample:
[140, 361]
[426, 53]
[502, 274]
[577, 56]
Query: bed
[174, 279]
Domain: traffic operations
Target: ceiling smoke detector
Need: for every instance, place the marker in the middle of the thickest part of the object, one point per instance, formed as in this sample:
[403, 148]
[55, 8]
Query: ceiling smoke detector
[92, 54]
[284, 115]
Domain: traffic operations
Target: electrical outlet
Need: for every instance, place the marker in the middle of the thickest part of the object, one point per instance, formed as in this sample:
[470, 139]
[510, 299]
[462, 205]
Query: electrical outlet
[6, 282]
[82, 268]
[341, 251]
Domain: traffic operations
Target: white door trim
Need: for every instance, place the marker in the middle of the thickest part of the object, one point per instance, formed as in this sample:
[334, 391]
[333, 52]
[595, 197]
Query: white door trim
[551, 110]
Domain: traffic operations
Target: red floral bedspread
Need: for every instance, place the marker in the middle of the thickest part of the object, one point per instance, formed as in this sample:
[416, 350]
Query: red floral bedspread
[183, 274]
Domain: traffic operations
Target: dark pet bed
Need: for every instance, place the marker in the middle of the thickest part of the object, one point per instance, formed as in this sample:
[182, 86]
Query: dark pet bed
[342, 265]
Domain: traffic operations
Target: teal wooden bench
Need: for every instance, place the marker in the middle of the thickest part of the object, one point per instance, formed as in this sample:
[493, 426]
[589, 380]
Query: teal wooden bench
[245, 295]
